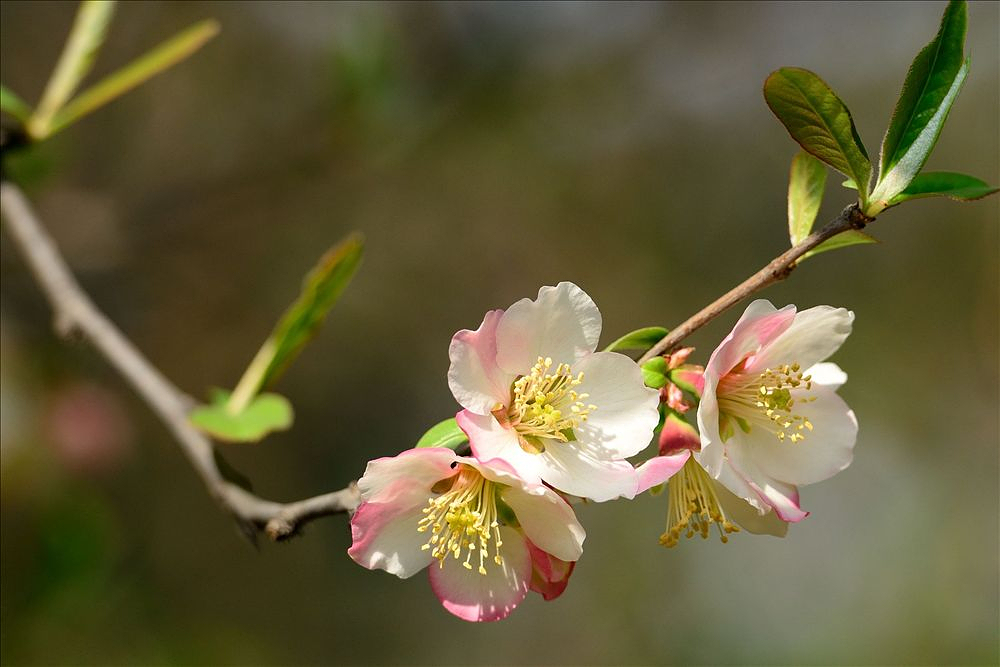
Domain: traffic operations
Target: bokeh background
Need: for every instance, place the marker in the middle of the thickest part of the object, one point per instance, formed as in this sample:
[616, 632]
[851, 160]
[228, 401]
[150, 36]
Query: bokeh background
[484, 150]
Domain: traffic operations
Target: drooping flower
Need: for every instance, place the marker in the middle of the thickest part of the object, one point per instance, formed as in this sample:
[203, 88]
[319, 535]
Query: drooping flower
[770, 419]
[537, 395]
[488, 535]
[695, 501]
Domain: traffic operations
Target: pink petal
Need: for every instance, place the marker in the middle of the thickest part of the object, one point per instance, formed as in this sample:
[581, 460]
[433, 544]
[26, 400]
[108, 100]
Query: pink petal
[658, 470]
[677, 435]
[549, 575]
[419, 468]
[385, 537]
[760, 324]
[476, 381]
[476, 597]
[489, 440]
[813, 336]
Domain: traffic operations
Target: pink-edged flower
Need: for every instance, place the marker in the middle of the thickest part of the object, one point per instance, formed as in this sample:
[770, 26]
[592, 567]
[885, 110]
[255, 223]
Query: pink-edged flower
[490, 536]
[770, 419]
[695, 500]
[537, 395]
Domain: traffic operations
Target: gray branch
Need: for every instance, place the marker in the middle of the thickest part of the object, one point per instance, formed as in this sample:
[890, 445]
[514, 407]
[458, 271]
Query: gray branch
[74, 312]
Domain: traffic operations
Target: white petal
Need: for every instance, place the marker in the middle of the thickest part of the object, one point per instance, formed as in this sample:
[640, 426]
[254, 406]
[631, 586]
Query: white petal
[827, 374]
[385, 537]
[485, 597]
[562, 323]
[747, 517]
[777, 494]
[659, 469]
[826, 450]
[420, 469]
[712, 448]
[476, 381]
[489, 440]
[813, 336]
[548, 521]
[571, 469]
[626, 414]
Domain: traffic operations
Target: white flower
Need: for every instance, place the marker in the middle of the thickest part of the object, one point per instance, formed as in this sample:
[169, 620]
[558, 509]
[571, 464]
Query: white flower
[490, 536]
[769, 418]
[537, 395]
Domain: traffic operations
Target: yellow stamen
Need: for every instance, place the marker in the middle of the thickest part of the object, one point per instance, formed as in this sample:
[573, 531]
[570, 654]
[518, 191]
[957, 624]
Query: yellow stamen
[694, 506]
[767, 401]
[464, 519]
[546, 404]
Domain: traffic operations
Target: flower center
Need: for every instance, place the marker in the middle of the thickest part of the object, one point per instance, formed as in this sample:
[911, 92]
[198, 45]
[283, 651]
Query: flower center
[464, 519]
[545, 404]
[694, 506]
[766, 401]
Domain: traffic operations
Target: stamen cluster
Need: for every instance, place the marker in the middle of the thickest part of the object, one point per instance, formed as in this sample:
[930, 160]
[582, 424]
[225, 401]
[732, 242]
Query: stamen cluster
[546, 404]
[694, 507]
[464, 519]
[770, 397]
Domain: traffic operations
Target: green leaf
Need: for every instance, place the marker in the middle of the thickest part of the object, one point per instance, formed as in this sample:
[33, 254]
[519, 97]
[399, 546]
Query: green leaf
[841, 240]
[944, 184]
[639, 340]
[14, 105]
[654, 372]
[930, 88]
[264, 414]
[806, 181]
[819, 121]
[444, 434]
[85, 38]
[162, 57]
[850, 185]
[320, 290]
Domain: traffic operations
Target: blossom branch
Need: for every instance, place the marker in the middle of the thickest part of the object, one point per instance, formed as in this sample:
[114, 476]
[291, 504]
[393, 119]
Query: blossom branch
[776, 270]
[75, 312]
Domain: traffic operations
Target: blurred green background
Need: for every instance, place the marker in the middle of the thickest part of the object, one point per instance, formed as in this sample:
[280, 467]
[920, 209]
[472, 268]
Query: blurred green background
[485, 150]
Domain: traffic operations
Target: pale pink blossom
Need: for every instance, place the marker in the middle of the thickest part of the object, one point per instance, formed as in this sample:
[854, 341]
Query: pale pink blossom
[770, 419]
[538, 395]
[488, 536]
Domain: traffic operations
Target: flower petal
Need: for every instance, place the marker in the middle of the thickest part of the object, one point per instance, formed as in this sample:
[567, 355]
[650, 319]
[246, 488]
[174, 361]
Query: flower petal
[549, 575]
[659, 469]
[760, 324]
[419, 468]
[746, 515]
[813, 336]
[385, 537]
[562, 323]
[626, 414]
[476, 381]
[779, 495]
[574, 470]
[677, 435]
[827, 374]
[489, 440]
[548, 521]
[827, 449]
[485, 597]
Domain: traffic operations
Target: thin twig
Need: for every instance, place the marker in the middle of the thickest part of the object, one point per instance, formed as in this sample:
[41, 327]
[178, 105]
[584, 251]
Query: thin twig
[776, 270]
[74, 312]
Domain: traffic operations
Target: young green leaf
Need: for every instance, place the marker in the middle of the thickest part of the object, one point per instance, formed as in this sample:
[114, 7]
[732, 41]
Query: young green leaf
[14, 105]
[944, 184]
[930, 88]
[320, 291]
[654, 372]
[819, 121]
[85, 38]
[841, 240]
[639, 340]
[162, 57]
[444, 434]
[264, 414]
[806, 181]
